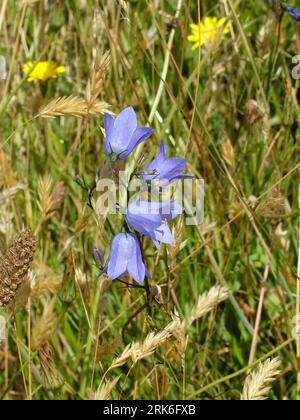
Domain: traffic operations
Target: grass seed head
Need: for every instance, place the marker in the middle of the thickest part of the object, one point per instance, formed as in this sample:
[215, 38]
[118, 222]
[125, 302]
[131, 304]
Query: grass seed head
[258, 383]
[14, 265]
[51, 377]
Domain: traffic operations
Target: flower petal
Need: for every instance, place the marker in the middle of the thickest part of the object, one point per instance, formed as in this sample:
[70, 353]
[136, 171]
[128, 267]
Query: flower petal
[124, 127]
[159, 158]
[108, 126]
[170, 209]
[60, 70]
[164, 235]
[144, 217]
[140, 134]
[120, 252]
[194, 27]
[136, 267]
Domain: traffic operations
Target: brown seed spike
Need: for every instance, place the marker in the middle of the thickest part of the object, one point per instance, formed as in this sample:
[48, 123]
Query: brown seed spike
[14, 265]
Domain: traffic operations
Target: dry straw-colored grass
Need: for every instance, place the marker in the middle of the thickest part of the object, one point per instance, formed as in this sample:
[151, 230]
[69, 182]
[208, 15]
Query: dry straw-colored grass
[137, 351]
[11, 192]
[81, 278]
[177, 328]
[50, 198]
[43, 326]
[45, 201]
[95, 84]
[207, 302]
[228, 152]
[72, 106]
[82, 107]
[44, 281]
[104, 391]
[14, 266]
[258, 383]
[27, 2]
[51, 378]
[58, 195]
[154, 69]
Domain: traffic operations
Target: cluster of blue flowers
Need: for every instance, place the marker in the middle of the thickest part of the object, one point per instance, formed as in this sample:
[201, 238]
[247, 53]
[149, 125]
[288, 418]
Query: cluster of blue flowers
[122, 135]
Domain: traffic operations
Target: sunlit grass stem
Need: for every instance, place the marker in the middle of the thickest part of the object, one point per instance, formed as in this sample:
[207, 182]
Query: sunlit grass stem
[298, 307]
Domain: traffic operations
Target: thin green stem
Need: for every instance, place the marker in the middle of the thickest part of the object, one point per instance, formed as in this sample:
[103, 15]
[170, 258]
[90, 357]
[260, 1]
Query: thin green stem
[165, 67]
[90, 340]
[241, 371]
[250, 55]
[273, 57]
[161, 86]
[298, 309]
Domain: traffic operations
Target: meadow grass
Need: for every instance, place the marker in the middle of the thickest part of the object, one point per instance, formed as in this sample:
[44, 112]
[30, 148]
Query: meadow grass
[224, 298]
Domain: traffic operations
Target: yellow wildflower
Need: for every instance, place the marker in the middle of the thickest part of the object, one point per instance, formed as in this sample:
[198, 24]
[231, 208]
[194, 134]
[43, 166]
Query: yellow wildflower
[42, 70]
[207, 30]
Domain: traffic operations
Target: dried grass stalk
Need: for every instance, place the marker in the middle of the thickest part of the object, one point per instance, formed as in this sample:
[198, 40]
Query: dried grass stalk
[138, 351]
[82, 107]
[14, 265]
[72, 106]
[49, 283]
[45, 201]
[174, 250]
[228, 152]
[3, 69]
[95, 85]
[43, 327]
[21, 297]
[81, 223]
[275, 205]
[28, 2]
[67, 105]
[103, 392]
[58, 195]
[207, 302]
[181, 336]
[67, 291]
[11, 192]
[51, 377]
[81, 278]
[258, 383]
